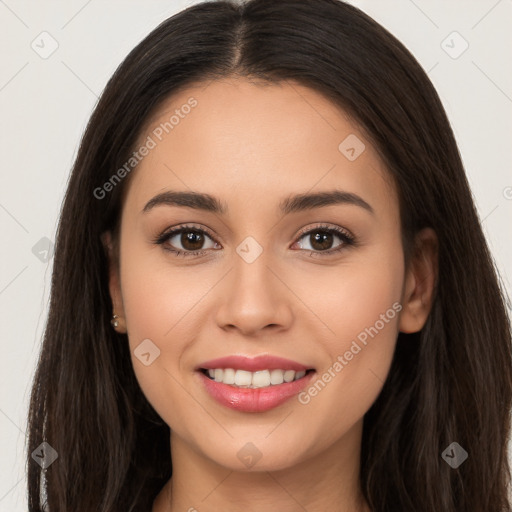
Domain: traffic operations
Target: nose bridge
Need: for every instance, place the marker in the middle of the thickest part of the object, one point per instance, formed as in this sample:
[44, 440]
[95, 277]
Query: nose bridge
[253, 296]
[251, 275]
[251, 269]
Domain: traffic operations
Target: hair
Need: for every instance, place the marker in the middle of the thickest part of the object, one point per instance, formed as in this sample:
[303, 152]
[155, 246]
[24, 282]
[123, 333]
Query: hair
[449, 382]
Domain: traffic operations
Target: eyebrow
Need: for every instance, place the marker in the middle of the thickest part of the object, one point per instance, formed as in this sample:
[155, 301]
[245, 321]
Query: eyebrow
[291, 204]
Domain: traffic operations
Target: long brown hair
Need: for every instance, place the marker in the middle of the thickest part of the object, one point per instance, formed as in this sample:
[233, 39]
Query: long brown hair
[450, 382]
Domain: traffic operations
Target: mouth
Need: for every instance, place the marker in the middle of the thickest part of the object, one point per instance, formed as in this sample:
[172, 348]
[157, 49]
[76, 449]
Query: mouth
[253, 384]
[253, 380]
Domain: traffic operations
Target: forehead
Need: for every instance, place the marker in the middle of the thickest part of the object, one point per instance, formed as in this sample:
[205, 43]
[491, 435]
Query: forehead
[252, 143]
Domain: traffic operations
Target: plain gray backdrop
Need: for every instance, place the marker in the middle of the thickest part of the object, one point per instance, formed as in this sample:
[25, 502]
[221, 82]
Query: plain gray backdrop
[58, 55]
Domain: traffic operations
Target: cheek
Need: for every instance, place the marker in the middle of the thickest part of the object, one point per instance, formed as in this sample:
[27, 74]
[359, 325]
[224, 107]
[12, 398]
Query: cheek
[351, 297]
[362, 309]
[158, 298]
[162, 304]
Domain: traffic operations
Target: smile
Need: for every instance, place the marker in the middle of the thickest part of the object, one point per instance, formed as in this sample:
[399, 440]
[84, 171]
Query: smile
[253, 380]
[253, 384]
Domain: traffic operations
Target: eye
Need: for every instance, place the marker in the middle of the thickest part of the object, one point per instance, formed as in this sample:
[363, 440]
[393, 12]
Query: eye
[321, 239]
[186, 241]
[190, 240]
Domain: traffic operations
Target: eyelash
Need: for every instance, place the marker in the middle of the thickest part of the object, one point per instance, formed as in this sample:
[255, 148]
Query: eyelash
[347, 239]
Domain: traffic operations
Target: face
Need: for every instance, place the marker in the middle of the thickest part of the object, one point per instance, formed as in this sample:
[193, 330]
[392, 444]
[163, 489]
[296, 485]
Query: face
[290, 271]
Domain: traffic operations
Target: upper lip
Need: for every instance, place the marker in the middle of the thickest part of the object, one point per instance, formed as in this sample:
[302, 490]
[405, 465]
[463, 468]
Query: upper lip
[253, 364]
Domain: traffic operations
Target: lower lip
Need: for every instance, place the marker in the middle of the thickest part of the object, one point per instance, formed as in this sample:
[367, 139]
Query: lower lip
[257, 399]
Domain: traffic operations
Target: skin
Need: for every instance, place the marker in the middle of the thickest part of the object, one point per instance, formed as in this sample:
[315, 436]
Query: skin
[251, 145]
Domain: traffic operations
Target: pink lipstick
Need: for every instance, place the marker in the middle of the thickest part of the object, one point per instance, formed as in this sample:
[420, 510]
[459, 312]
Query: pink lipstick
[253, 384]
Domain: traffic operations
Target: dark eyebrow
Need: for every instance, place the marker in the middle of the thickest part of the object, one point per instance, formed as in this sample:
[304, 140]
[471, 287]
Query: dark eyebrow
[291, 204]
[189, 199]
[301, 202]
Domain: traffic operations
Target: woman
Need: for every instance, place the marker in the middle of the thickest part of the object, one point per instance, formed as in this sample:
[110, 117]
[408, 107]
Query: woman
[271, 290]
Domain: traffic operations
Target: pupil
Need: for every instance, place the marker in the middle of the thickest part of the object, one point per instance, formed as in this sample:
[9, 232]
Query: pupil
[192, 240]
[323, 239]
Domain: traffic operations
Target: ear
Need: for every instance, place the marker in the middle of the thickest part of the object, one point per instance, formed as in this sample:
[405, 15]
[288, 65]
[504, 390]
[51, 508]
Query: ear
[420, 282]
[114, 282]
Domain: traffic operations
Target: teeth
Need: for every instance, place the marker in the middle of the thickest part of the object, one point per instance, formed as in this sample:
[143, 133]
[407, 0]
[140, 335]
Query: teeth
[289, 375]
[259, 379]
[229, 376]
[242, 378]
[276, 377]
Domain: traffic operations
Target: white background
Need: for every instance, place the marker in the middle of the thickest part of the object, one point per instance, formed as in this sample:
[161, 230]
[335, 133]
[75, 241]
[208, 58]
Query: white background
[45, 104]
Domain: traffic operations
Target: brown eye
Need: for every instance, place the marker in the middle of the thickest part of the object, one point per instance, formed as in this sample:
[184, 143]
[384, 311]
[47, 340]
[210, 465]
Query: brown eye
[321, 240]
[192, 240]
[187, 241]
[326, 240]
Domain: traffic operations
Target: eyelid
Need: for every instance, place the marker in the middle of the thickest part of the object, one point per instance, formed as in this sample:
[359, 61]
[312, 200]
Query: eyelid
[327, 227]
[182, 227]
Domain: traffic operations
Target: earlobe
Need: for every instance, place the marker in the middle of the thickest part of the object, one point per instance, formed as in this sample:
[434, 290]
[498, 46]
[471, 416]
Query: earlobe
[118, 315]
[420, 282]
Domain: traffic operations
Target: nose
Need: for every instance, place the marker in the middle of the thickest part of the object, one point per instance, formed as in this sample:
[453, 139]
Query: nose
[254, 299]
